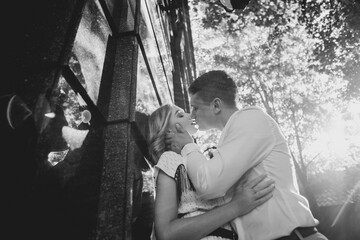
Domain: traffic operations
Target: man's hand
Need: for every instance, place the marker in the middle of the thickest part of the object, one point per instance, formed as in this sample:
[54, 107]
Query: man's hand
[175, 141]
[248, 195]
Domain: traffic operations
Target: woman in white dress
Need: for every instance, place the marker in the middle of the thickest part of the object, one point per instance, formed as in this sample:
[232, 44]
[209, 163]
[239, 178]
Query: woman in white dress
[179, 212]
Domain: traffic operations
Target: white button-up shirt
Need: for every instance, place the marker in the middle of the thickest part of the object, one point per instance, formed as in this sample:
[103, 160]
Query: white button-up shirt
[252, 138]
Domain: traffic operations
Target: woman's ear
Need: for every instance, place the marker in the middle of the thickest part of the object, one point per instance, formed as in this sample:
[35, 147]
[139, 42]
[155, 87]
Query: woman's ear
[217, 105]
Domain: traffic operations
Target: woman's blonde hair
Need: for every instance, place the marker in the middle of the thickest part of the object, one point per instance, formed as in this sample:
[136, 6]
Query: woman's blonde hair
[158, 123]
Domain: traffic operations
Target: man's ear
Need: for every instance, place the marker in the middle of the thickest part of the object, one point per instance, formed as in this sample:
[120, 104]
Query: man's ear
[217, 105]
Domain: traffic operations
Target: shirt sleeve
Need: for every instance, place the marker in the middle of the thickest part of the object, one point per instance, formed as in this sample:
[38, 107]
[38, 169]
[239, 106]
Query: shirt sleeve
[247, 141]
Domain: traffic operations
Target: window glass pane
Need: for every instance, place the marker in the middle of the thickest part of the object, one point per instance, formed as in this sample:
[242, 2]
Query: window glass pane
[146, 100]
[65, 125]
[160, 66]
[89, 48]
[162, 38]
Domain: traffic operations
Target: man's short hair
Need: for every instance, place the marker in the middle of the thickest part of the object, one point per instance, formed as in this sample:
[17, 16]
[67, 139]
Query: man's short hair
[215, 84]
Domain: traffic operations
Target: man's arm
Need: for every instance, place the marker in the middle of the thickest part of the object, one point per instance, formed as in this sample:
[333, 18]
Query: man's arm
[246, 143]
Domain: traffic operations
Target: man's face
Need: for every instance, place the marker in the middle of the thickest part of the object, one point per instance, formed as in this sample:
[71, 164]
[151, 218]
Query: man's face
[202, 112]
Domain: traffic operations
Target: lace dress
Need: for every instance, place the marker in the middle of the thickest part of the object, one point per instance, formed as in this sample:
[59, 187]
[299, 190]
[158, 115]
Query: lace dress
[173, 165]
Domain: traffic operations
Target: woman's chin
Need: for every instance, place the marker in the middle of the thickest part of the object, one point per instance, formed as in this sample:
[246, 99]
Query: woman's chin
[192, 130]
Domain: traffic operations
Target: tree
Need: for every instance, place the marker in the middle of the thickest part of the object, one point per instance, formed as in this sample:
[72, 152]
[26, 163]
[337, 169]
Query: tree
[276, 61]
[336, 23]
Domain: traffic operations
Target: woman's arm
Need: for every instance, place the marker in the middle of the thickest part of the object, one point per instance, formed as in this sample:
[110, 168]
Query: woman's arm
[169, 226]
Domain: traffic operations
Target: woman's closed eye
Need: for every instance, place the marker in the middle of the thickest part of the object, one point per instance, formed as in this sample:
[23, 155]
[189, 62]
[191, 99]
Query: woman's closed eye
[180, 114]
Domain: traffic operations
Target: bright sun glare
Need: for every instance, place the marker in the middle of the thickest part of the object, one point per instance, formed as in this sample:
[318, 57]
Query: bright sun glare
[336, 139]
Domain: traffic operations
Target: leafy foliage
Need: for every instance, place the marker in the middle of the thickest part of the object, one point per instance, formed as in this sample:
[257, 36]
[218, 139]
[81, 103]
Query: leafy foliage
[298, 60]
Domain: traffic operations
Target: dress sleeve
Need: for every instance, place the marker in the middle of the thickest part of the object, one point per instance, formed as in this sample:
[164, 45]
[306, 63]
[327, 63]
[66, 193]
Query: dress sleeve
[168, 163]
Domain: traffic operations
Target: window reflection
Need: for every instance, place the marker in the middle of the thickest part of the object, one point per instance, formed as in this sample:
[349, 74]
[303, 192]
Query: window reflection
[110, 5]
[162, 39]
[146, 100]
[89, 48]
[64, 128]
[156, 51]
[56, 157]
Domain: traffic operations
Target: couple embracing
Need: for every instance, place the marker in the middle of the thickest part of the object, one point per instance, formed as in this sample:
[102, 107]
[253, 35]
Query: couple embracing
[248, 190]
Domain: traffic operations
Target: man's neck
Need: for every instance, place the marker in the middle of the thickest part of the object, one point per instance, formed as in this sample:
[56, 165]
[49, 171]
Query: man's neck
[225, 115]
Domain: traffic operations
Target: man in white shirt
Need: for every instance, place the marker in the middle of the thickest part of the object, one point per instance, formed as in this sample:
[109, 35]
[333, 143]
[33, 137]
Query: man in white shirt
[249, 138]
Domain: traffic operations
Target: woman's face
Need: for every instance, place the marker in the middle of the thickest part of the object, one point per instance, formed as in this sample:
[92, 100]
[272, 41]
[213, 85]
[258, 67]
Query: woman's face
[179, 116]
